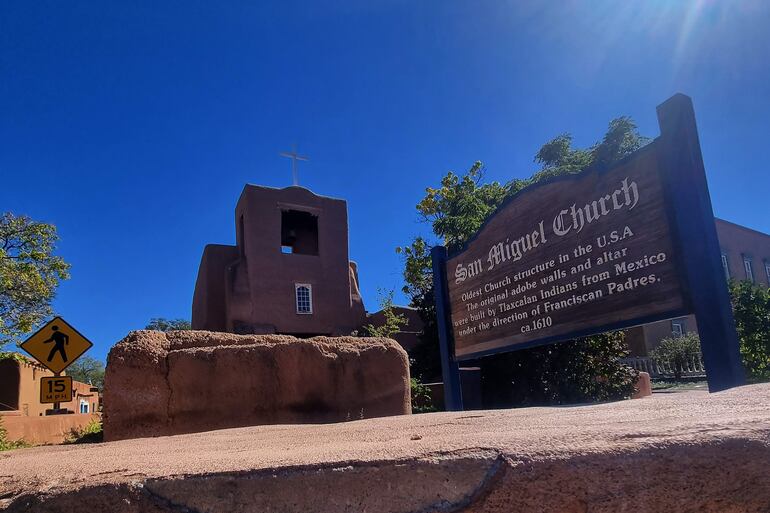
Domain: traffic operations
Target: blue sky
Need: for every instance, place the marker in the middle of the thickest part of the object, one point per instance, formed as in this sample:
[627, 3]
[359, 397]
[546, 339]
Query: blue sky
[133, 126]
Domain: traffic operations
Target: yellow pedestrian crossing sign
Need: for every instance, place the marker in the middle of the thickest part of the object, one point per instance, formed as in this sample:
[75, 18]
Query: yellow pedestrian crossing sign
[56, 345]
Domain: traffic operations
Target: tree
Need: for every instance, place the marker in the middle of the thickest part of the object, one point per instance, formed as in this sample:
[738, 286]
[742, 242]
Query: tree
[455, 211]
[677, 352]
[29, 275]
[393, 321]
[87, 370]
[751, 309]
[163, 324]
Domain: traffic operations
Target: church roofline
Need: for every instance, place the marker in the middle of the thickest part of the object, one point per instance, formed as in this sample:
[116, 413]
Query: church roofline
[305, 189]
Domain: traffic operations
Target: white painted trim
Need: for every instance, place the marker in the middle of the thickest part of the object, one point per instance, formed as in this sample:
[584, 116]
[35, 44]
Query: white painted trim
[309, 288]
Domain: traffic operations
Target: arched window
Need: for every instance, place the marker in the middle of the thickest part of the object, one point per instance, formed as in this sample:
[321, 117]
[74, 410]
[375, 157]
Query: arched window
[304, 298]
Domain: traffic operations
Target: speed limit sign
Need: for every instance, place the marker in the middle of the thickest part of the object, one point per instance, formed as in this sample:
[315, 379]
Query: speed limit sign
[56, 389]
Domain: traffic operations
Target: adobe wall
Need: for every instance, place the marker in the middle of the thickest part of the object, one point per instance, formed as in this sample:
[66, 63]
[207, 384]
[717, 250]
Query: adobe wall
[29, 388]
[250, 287]
[270, 274]
[9, 385]
[209, 311]
[187, 381]
[81, 391]
[52, 429]
[23, 379]
[409, 334]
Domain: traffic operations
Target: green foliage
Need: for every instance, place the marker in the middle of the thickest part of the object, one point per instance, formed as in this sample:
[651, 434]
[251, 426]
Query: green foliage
[677, 352]
[422, 401]
[7, 445]
[576, 371]
[87, 370]
[751, 309]
[163, 324]
[455, 211]
[417, 268]
[621, 140]
[14, 356]
[92, 433]
[393, 321]
[29, 275]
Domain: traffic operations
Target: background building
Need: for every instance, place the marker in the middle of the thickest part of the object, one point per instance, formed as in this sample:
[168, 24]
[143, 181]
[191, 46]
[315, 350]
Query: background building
[20, 391]
[745, 256]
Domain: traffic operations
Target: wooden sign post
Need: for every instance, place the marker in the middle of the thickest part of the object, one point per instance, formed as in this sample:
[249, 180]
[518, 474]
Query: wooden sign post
[600, 250]
[682, 166]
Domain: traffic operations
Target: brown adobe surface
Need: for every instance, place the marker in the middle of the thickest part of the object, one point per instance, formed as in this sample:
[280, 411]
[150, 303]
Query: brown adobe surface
[682, 452]
[189, 381]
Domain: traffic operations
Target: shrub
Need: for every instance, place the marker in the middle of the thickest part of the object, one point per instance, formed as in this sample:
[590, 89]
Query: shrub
[677, 352]
[751, 309]
[393, 321]
[422, 401]
[90, 434]
[578, 371]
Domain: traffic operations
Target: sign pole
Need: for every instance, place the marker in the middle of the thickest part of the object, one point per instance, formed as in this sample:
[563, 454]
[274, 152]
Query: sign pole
[56, 406]
[693, 219]
[450, 370]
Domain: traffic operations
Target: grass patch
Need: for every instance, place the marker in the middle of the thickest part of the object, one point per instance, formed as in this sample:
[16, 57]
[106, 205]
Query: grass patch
[682, 385]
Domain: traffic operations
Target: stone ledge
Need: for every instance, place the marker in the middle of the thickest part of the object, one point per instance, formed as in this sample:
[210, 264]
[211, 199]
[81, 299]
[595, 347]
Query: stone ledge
[679, 452]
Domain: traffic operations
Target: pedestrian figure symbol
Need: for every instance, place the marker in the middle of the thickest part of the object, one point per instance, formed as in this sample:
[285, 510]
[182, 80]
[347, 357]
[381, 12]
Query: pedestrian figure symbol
[59, 340]
[56, 345]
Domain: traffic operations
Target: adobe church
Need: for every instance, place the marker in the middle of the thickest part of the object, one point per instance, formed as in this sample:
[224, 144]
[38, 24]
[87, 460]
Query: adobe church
[289, 272]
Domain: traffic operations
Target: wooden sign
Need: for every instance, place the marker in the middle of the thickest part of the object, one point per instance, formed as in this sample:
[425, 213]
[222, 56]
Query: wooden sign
[573, 256]
[592, 252]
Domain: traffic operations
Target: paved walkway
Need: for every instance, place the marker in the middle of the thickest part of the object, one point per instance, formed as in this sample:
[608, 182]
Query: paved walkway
[690, 450]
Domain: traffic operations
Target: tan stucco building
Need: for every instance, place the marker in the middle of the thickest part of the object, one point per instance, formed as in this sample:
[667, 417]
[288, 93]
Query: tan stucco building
[20, 391]
[745, 256]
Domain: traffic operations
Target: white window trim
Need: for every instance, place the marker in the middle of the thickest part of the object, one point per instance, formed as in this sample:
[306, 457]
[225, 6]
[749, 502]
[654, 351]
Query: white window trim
[749, 269]
[767, 271]
[725, 265]
[296, 297]
[680, 324]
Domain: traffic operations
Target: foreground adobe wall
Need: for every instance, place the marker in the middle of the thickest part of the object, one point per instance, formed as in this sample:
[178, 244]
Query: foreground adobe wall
[188, 381]
[680, 452]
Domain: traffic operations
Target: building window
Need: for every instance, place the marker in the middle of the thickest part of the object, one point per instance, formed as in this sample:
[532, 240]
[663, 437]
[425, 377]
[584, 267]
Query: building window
[83, 406]
[749, 270]
[767, 270]
[677, 328]
[725, 266]
[299, 232]
[304, 296]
